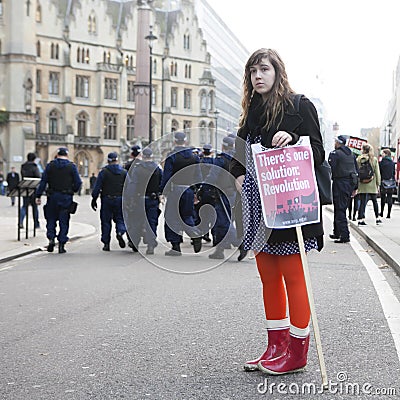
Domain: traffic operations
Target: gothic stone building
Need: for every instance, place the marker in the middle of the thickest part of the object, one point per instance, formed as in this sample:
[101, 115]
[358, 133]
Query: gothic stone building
[68, 73]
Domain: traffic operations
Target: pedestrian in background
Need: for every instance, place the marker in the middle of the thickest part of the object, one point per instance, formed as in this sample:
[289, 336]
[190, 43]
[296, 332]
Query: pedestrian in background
[269, 116]
[181, 174]
[12, 183]
[2, 189]
[387, 171]
[344, 183]
[30, 169]
[62, 180]
[135, 154]
[368, 190]
[144, 182]
[109, 186]
[92, 182]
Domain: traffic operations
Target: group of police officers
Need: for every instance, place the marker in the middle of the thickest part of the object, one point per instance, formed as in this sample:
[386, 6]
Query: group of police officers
[130, 197]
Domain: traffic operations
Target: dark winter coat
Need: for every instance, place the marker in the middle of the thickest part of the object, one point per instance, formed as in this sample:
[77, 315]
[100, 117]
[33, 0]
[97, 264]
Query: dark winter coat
[12, 180]
[387, 168]
[304, 123]
[29, 169]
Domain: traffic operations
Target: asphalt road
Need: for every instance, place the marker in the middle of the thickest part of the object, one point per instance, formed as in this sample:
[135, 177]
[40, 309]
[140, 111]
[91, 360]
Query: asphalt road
[96, 325]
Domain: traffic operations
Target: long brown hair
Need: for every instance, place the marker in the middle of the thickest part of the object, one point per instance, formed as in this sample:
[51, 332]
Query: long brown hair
[280, 93]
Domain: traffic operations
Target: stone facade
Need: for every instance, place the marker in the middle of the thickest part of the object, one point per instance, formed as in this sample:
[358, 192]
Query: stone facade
[68, 77]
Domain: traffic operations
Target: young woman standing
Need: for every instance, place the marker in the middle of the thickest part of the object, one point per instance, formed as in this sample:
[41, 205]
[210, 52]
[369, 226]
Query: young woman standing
[269, 117]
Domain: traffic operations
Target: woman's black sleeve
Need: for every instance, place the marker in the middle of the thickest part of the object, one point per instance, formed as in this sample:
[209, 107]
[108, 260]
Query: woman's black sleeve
[310, 127]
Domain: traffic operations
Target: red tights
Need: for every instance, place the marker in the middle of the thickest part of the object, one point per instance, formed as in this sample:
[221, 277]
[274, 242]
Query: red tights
[283, 278]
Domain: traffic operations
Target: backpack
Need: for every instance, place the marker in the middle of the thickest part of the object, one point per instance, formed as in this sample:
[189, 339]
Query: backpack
[365, 171]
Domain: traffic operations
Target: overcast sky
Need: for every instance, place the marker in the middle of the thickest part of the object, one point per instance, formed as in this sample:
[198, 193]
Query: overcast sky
[344, 52]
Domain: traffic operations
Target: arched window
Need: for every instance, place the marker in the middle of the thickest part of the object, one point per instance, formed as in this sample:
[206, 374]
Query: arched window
[104, 57]
[109, 58]
[174, 125]
[154, 66]
[186, 42]
[37, 120]
[130, 127]
[188, 71]
[82, 55]
[174, 68]
[78, 55]
[203, 133]
[38, 49]
[211, 130]
[131, 61]
[94, 25]
[90, 24]
[38, 13]
[87, 59]
[203, 101]
[153, 95]
[52, 50]
[57, 50]
[82, 124]
[82, 163]
[53, 122]
[211, 101]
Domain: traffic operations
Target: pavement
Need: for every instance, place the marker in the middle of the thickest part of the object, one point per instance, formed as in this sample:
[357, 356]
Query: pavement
[12, 248]
[383, 238]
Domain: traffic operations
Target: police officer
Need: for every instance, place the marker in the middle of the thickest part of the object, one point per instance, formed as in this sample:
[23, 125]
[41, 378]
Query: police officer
[181, 173]
[224, 183]
[109, 185]
[344, 176]
[207, 193]
[145, 180]
[63, 180]
[135, 154]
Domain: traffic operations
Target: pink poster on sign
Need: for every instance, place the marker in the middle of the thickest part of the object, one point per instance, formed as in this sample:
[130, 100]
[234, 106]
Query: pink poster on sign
[287, 185]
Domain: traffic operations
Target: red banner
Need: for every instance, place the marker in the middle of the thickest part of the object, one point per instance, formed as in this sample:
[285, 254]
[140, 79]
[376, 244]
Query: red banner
[355, 144]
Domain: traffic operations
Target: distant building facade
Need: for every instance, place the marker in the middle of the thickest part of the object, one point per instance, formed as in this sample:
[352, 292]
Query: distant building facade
[229, 58]
[390, 128]
[68, 78]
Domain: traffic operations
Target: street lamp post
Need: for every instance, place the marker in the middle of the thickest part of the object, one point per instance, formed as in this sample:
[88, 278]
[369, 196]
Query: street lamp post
[150, 38]
[387, 140]
[216, 113]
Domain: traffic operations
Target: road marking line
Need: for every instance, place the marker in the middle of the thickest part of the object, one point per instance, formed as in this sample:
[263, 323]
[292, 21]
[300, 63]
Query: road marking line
[5, 268]
[389, 302]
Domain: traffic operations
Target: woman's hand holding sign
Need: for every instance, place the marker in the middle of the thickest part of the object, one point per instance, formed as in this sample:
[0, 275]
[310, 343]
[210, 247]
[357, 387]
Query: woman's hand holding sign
[281, 139]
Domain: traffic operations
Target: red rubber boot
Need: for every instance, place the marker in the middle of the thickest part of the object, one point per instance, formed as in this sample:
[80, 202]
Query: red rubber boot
[293, 360]
[278, 341]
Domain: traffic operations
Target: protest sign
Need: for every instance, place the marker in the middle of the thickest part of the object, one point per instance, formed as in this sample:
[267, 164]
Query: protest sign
[355, 144]
[287, 185]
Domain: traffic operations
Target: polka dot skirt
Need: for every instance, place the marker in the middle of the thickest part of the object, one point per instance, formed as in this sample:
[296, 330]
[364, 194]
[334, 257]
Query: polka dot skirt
[256, 233]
